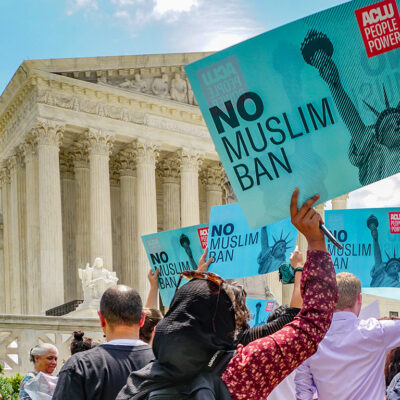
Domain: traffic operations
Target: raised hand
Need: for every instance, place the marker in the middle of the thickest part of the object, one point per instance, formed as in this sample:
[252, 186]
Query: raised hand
[307, 221]
[203, 264]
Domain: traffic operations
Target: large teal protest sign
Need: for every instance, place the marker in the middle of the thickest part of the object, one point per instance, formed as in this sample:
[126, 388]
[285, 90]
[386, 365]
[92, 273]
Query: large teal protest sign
[173, 252]
[371, 247]
[313, 104]
[239, 252]
[260, 310]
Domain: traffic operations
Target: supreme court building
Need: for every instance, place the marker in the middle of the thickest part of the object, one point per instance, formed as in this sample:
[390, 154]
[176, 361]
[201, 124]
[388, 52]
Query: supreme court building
[94, 153]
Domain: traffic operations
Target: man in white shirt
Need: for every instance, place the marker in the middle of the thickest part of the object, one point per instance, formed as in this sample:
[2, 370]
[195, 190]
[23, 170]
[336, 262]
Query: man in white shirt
[349, 362]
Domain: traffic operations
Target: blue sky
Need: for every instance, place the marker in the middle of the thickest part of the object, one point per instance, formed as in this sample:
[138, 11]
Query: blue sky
[32, 29]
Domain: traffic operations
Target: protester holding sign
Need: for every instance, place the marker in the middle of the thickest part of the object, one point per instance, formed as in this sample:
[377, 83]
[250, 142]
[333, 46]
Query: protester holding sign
[203, 319]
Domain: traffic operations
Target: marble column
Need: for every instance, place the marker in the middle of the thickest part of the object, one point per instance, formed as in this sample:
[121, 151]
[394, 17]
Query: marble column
[99, 146]
[48, 135]
[190, 211]
[168, 170]
[33, 273]
[213, 178]
[340, 203]
[5, 298]
[68, 226]
[146, 208]
[116, 217]
[15, 270]
[82, 211]
[127, 176]
[21, 188]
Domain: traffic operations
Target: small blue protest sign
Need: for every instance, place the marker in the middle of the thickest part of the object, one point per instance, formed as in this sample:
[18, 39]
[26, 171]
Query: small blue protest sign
[260, 310]
[239, 252]
[173, 252]
[371, 247]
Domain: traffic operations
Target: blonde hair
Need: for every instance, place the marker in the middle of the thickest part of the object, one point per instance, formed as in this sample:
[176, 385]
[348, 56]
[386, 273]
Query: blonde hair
[349, 288]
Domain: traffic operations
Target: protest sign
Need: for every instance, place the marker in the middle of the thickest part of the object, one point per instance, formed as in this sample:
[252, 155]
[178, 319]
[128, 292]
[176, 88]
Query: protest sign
[313, 104]
[239, 252]
[371, 247]
[259, 310]
[173, 252]
[370, 311]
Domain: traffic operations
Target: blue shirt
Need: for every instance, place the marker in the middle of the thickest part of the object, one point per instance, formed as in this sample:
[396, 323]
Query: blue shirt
[349, 362]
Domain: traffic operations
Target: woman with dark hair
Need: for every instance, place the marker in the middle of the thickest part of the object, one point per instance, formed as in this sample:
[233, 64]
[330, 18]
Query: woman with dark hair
[392, 374]
[147, 330]
[80, 343]
[206, 317]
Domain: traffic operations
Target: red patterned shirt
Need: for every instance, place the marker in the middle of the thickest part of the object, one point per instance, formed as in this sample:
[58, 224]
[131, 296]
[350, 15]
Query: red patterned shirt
[258, 367]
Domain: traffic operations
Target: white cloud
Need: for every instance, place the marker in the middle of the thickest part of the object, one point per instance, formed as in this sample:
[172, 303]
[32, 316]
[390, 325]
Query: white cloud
[213, 25]
[385, 193]
[122, 14]
[177, 6]
[78, 5]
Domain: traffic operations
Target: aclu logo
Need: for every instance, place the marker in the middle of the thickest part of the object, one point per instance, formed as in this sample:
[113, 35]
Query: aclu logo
[379, 24]
[394, 222]
[222, 81]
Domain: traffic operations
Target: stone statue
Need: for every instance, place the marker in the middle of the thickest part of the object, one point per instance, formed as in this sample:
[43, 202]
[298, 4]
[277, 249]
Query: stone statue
[96, 280]
[191, 99]
[179, 89]
[140, 84]
[160, 86]
[126, 84]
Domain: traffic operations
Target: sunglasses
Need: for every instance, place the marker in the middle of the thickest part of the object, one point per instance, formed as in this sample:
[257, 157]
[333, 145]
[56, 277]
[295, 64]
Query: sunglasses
[209, 276]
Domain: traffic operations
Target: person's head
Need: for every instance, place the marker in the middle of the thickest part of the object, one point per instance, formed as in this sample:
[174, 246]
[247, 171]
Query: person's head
[152, 318]
[44, 356]
[350, 298]
[392, 365]
[200, 321]
[237, 295]
[120, 308]
[80, 343]
[277, 313]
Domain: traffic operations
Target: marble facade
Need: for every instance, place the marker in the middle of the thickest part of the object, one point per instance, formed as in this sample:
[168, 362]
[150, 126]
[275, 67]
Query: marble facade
[94, 153]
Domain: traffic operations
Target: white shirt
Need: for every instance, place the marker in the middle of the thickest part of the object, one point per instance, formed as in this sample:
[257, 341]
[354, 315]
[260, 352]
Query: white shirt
[349, 363]
[125, 342]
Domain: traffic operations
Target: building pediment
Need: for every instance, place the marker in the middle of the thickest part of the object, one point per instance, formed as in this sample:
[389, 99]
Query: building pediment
[160, 75]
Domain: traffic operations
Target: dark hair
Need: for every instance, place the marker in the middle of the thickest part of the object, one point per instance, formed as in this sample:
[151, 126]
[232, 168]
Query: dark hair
[153, 317]
[237, 295]
[80, 343]
[392, 365]
[277, 313]
[121, 305]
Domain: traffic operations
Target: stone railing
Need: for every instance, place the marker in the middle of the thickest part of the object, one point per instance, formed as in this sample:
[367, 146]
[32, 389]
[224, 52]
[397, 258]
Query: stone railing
[18, 334]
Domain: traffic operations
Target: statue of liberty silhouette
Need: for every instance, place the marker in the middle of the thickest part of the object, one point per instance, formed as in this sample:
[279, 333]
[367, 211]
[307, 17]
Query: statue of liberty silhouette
[374, 149]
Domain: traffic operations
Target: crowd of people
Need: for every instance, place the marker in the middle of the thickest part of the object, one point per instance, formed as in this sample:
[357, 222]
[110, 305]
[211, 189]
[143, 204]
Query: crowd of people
[203, 348]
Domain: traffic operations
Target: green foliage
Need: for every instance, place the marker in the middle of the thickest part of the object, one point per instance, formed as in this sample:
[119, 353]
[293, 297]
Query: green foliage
[16, 381]
[9, 387]
[6, 389]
